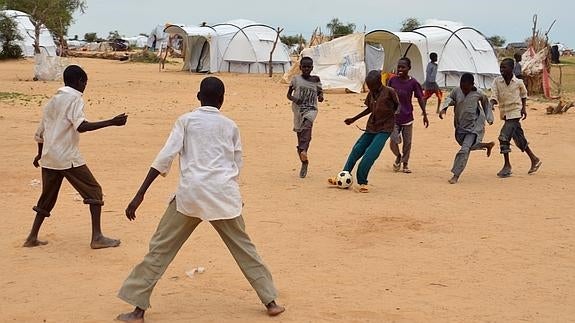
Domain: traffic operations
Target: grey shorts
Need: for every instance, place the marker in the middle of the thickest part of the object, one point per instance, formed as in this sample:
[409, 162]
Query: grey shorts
[512, 130]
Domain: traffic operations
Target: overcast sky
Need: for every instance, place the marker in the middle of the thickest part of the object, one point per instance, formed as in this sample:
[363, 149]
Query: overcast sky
[509, 19]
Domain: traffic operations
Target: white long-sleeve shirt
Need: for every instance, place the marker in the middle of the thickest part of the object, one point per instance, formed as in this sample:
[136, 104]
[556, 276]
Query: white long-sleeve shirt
[210, 151]
[58, 130]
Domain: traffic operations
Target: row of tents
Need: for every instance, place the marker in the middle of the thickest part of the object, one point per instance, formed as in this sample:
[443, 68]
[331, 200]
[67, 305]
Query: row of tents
[244, 46]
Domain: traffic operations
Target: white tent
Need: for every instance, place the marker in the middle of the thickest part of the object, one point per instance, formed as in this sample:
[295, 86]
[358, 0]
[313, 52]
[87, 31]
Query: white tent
[137, 41]
[157, 38]
[460, 49]
[239, 46]
[26, 30]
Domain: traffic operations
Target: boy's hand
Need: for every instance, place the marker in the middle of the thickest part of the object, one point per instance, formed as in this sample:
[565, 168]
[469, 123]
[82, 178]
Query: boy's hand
[524, 113]
[349, 121]
[119, 120]
[133, 206]
[36, 161]
[442, 113]
[320, 98]
[425, 121]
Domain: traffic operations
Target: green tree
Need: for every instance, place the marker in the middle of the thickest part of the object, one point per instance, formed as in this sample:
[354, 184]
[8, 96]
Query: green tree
[8, 35]
[56, 15]
[409, 24]
[90, 37]
[337, 28]
[496, 41]
[292, 40]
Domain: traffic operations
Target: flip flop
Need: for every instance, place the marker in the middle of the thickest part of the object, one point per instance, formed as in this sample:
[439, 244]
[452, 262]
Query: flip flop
[406, 170]
[332, 180]
[396, 167]
[303, 170]
[535, 168]
[504, 175]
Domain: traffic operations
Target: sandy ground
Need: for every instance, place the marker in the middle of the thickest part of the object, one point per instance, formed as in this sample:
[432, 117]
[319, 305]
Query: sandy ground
[415, 249]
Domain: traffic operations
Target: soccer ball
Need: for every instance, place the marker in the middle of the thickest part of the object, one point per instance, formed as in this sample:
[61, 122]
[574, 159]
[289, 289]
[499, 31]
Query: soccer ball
[344, 179]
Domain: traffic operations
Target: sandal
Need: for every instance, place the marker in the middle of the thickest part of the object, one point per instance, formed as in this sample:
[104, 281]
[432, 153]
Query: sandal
[535, 167]
[406, 170]
[396, 167]
[363, 188]
[332, 180]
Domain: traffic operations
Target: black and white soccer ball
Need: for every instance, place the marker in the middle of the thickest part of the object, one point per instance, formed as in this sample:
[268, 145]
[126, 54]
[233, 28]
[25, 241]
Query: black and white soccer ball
[344, 179]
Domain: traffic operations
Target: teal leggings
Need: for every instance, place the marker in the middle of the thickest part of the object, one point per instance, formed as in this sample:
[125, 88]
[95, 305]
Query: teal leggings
[369, 145]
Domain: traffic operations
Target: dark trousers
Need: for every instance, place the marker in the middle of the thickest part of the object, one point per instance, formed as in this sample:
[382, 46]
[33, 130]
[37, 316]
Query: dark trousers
[368, 147]
[304, 136]
[79, 177]
[512, 130]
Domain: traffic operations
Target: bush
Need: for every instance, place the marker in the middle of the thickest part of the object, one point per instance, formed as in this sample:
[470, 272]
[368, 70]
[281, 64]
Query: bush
[145, 57]
[8, 35]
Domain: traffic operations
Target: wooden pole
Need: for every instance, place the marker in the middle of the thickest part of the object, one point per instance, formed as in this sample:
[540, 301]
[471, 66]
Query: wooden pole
[271, 67]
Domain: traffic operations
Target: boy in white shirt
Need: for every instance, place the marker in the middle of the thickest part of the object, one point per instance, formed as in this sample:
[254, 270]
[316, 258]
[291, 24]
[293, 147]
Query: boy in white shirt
[58, 136]
[210, 158]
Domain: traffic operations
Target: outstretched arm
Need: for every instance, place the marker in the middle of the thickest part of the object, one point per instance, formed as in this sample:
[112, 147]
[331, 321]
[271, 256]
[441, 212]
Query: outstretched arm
[139, 198]
[450, 100]
[118, 120]
[360, 115]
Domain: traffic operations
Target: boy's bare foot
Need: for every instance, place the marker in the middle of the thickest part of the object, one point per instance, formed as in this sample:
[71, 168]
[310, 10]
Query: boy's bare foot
[504, 172]
[489, 147]
[535, 166]
[29, 243]
[274, 309]
[453, 180]
[102, 242]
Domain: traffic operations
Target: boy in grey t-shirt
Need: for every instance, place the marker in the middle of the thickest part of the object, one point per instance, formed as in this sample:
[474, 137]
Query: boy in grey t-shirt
[304, 91]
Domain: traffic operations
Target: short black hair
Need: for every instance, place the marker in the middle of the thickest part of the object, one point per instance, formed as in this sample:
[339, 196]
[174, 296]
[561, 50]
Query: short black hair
[306, 58]
[467, 78]
[508, 61]
[517, 56]
[433, 56]
[373, 75]
[74, 74]
[406, 60]
[211, 89]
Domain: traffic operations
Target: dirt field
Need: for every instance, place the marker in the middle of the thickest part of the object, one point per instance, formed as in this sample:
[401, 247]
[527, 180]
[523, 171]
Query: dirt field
[415, 249]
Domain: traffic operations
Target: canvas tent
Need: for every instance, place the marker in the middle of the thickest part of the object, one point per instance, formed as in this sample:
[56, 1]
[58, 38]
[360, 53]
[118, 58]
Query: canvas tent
[26, 30]
[239, 46]
[157, 38]
[460, 49]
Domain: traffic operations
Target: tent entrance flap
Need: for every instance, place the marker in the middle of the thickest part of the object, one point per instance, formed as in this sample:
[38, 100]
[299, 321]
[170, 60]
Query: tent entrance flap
[198, 56]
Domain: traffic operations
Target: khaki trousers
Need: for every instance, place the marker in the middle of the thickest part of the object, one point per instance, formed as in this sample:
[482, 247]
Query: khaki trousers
[173, 230]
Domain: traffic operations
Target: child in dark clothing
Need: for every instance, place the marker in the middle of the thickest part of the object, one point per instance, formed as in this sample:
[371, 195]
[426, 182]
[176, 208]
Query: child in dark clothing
[381, 105]
[406, 87]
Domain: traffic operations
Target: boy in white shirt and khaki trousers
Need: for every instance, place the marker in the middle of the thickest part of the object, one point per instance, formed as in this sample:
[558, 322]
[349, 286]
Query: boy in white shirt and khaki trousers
[210, 155]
